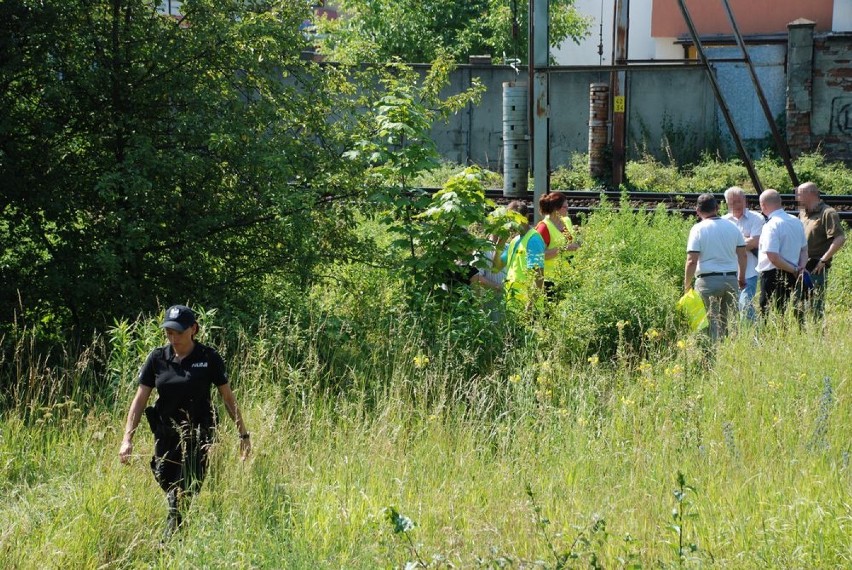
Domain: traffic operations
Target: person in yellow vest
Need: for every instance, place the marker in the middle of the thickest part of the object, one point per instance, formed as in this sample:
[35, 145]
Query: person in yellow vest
[555, 230]
[523, 258]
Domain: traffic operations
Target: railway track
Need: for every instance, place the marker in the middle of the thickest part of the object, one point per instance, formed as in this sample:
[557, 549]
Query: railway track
[586, 201]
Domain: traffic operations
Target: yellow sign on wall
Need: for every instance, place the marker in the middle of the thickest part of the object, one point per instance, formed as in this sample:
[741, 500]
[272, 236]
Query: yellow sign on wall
[618, 104]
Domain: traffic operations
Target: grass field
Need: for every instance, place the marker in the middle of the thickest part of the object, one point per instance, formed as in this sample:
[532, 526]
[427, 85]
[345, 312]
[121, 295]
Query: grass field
[735, 456]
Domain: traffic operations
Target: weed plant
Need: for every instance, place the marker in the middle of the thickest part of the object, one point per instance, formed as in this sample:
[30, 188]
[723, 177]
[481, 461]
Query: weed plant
[575, 176]
[710, 173]
[713, 174]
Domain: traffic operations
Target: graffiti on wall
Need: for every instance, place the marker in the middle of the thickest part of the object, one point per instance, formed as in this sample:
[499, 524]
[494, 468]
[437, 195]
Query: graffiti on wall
[841, 116]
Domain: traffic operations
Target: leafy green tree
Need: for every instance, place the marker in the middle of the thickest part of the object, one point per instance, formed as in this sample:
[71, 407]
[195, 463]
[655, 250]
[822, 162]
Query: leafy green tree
[434, 231]
[418, 30]
[146, 159]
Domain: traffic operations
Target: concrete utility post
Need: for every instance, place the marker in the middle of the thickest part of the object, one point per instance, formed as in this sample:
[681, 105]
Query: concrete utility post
[539, 56]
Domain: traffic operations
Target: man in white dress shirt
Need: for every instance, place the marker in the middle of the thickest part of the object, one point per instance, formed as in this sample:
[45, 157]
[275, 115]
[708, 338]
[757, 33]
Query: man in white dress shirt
[782, 253]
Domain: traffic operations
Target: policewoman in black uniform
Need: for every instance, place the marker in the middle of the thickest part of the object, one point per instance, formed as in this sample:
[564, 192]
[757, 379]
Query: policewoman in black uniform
[183, 419]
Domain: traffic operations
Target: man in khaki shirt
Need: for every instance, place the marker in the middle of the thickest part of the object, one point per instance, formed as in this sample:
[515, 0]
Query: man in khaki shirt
[825, 236]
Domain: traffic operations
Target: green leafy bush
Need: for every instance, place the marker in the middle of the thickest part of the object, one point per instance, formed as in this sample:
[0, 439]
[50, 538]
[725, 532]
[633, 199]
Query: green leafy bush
[651, 175]
[772, 174]
[832, 178]
[714, 175]
[439, 175]
[575, 176]
[621, 283]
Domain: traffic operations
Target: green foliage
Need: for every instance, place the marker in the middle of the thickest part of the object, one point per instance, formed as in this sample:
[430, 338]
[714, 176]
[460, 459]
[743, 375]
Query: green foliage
[461, 464]
[652, 176]
[622, 282]
[772, 174]
[713, 175]
[433, 231]
[575, 176]
[439, 175]
[832, 178]
[378, 31]
[683, 512]
[594, 535]
[403, 525]
[150, 160]
[443, 231]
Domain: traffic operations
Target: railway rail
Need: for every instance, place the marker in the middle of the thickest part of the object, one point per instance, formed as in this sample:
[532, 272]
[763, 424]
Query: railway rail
[586, 201]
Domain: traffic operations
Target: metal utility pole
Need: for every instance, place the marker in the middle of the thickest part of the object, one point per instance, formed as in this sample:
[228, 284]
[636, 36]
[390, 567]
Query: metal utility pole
[618, 89]
[539, 55]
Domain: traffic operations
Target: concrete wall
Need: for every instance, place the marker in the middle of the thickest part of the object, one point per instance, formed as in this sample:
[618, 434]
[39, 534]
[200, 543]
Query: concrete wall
[810, 78]
[671, 112]
[735, 82]
[678, 99]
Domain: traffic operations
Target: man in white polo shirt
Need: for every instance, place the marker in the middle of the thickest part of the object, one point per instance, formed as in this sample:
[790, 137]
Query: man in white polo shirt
[782, 253]
[750, 225]
[716, 253]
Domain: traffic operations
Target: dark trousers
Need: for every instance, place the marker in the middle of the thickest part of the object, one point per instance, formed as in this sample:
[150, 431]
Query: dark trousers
[776, 289]
[180, 459]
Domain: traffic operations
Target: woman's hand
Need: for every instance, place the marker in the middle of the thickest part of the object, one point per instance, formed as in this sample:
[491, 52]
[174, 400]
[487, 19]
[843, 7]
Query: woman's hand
[245, 448]
[125, 451]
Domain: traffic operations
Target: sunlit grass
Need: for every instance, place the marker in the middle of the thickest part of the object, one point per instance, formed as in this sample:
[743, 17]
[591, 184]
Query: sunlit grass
[757, 427]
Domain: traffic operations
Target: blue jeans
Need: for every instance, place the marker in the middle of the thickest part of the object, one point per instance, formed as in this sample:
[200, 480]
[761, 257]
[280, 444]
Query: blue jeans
[746, 297]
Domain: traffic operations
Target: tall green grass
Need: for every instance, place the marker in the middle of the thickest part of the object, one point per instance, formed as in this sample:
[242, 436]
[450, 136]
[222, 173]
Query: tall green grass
[447, 438]
[757, 427]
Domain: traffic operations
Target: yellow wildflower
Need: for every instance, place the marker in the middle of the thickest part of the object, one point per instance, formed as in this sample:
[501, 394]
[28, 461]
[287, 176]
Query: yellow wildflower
[681, 344]
[594, 360]
[674, 370]
[543, 395]
[420, 361]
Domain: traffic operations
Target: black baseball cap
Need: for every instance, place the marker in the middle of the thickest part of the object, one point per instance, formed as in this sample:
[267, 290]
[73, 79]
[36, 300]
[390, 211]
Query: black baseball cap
[179, 318]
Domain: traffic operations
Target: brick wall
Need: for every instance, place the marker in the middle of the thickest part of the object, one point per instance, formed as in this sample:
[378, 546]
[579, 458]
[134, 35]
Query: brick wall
[819, 91]
[832, 92]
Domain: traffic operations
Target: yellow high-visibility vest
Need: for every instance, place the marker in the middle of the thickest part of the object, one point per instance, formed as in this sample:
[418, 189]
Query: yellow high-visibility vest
[557, 241]
[517, 273]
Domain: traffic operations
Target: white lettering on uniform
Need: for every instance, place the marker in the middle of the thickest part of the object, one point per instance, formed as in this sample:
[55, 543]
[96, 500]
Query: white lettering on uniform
[199, 365]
